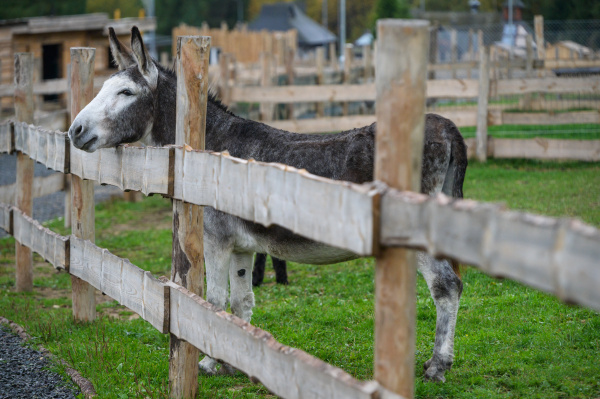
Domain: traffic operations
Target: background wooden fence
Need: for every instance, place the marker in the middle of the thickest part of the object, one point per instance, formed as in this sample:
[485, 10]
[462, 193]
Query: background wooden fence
[556, 255]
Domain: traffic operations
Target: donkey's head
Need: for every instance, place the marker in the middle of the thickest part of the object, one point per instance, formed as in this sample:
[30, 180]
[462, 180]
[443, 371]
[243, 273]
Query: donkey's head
[127, 108]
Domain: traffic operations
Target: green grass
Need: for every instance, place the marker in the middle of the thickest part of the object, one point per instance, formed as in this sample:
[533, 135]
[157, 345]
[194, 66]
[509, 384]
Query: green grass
[589, 131]
[511, 341]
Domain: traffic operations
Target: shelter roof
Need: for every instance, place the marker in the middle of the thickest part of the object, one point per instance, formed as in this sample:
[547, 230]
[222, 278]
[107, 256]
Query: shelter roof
[70, 23]
[286, 16]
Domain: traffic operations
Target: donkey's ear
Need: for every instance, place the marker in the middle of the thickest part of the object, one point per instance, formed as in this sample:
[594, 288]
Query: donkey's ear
[144, 62]
[121, 54]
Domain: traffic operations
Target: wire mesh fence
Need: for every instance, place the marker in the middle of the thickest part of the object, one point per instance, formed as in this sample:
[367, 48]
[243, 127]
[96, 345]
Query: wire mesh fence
[571, 49]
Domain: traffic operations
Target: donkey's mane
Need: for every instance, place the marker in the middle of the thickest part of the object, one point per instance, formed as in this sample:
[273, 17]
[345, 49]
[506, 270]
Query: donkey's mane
[213, 97]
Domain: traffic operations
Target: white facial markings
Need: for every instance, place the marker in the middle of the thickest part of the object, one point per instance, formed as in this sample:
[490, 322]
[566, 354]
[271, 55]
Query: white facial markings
[110, 102]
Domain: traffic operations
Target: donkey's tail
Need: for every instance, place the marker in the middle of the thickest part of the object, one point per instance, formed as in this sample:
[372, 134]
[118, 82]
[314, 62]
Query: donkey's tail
[455, 176]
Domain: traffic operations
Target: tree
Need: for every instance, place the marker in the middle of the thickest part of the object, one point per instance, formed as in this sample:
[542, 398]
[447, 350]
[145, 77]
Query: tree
[12, 9]
[129, 8]
[389, 9]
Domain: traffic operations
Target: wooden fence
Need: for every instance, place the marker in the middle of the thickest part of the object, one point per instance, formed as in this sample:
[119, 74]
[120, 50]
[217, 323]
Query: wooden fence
[245, 45]
[482, 115]
[558, 256]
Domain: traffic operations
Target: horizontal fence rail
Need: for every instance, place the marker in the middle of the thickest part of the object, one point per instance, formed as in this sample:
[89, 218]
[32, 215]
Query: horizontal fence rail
[539, 148]
[559, 256]
[41, 186]
[542, 253]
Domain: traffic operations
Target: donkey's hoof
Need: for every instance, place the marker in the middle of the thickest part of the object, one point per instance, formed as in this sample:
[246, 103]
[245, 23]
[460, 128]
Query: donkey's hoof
[434, 375]
[208, 366]
[227, 369]
[434, 370]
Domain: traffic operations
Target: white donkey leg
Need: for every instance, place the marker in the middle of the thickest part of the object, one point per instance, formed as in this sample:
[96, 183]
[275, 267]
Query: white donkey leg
[242, 297]
[445, 287]
[216, 259]
[240, 278]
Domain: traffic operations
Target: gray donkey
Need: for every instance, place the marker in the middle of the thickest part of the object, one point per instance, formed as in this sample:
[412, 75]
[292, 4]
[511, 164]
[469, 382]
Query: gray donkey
[138, 104]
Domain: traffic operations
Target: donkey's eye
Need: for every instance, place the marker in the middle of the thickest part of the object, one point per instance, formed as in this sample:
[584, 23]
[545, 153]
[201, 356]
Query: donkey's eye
[126, 92]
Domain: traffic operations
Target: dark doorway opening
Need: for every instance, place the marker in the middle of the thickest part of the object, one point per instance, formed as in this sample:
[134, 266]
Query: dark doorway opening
[51, 66]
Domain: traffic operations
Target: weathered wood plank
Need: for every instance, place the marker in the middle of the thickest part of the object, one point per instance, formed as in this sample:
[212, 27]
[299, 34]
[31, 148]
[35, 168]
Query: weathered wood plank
[452, 88]
[53, 247]
[24, 109]
[556, 256]
[118, 278]
[187, 264]
[333, 212]
[6, 218]
[449, 88]
[541, 148]
[285, 371]
[50, 148]
[401, 86]
[544, 118]
[588, 85]
[7, 138]
[41, 186]
[82, 191]
[482, 103]
[144, 169]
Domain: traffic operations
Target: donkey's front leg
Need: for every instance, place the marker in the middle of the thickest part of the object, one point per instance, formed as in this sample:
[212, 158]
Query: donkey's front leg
[445, 287]
[217, 256]
[240, 280]
[242, 301]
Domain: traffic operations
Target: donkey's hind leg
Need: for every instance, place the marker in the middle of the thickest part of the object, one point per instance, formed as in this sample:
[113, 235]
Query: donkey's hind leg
[445, 287]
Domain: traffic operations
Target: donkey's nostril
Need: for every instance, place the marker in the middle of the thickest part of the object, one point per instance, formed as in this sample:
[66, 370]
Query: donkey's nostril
[77, 131]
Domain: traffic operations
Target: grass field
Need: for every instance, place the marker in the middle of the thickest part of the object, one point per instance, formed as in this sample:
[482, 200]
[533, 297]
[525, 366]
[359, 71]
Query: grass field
[589, 131]
[511, 341]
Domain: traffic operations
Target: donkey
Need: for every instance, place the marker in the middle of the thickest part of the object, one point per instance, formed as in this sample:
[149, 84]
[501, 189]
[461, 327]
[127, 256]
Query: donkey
[138, 104]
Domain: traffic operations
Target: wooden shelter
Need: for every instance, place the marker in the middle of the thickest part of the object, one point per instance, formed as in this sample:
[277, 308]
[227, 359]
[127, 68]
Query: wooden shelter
[50, 40]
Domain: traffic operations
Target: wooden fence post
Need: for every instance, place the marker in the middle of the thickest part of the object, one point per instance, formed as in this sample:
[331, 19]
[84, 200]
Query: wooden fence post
[82, 191]
[187, 267]
[333, 61]
[289, 71]
[320, 62]
[24, 107]
[400, 81]
[266, 80]
[368, 63]
[538, 21]
[433, 48]
[471, 53]
[225, 76]
[482, 103]
[453, 51]
[348, 55]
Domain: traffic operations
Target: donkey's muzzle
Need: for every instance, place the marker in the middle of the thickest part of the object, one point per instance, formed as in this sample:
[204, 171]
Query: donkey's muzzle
[81, 137]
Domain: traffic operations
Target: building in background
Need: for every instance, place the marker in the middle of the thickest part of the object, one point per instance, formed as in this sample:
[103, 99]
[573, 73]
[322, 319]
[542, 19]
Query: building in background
[286, 16]
[50, 40]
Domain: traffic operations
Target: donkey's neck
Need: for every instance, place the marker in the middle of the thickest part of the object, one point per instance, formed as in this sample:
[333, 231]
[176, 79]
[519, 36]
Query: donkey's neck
[163, 126]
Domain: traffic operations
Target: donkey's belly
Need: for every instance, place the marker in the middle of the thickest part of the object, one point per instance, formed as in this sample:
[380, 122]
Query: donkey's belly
[277, 241]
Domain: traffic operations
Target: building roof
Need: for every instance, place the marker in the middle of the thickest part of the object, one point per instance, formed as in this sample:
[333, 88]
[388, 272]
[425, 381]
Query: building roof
[84, 22]
[286, 16]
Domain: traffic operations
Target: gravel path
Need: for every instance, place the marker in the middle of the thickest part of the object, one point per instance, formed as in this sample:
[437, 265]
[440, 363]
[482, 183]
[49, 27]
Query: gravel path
[24, 373]
[51, 206]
